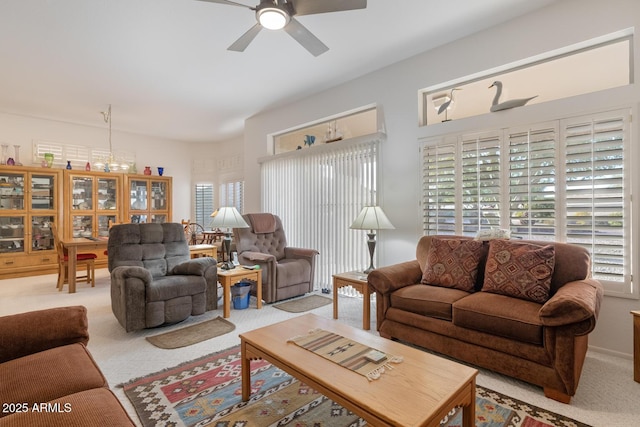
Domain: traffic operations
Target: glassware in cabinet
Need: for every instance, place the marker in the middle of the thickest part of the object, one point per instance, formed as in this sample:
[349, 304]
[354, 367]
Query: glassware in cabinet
[43, 192]
[103, 224]
[12, 234]
[12, 191]
[41, 233]
[82, 193]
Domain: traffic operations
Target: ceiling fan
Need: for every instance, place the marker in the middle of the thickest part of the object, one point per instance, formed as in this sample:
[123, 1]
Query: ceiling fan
[279, 14]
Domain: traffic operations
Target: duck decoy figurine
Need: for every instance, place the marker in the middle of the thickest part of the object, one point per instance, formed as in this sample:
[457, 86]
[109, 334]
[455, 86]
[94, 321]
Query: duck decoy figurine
[512, 103]
[445, 105]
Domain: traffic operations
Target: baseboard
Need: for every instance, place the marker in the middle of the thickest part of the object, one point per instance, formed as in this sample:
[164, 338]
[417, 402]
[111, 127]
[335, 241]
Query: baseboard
[608, 352]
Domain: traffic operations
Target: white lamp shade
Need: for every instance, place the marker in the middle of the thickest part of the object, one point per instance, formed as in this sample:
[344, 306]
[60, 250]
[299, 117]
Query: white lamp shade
[372, 218]
[228, 218]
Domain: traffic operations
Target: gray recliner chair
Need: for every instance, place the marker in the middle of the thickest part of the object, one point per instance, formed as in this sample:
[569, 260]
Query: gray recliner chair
[153, 279]
[286, 271]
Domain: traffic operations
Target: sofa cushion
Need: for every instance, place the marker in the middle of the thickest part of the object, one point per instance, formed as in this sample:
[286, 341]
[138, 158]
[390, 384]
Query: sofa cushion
[432, 301]
[48, 375]
[169, 287]
[453, 263]
[500, 315]
[520, 270]
[98, 406]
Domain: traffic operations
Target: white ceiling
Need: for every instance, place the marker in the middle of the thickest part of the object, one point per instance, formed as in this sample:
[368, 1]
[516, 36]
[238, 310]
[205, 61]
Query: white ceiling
[164, 66]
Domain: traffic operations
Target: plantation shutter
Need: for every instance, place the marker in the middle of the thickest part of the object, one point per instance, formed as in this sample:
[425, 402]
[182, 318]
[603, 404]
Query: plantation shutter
[203, 204]
[481, 198]
[597, 207]
[532, 182]
[439, 188]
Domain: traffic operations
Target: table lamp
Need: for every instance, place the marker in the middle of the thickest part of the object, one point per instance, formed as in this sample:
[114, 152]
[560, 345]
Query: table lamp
[228, 218]
[371, 218]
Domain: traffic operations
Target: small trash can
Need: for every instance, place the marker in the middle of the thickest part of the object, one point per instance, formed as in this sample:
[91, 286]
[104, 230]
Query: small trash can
[240, 295]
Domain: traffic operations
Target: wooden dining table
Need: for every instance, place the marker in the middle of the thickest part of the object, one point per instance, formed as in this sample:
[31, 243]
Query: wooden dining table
[76, 245]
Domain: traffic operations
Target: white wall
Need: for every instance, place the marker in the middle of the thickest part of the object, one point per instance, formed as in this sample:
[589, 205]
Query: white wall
[395, 89]
[149, 151]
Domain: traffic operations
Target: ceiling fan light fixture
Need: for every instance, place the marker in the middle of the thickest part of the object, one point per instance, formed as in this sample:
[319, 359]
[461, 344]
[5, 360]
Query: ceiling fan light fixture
[272, 18]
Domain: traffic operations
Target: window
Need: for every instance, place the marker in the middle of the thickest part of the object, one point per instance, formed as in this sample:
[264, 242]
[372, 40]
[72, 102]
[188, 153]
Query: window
[317, 194]
[565, 181]
[232, 194]
[203, 204]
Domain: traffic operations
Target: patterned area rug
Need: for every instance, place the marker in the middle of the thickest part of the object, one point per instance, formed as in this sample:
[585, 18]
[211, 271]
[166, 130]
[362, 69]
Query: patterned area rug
[207, 391]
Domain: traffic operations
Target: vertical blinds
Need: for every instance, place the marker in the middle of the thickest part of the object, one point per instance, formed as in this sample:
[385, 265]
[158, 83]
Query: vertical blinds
[203, 204]
[318, 195]
[566, 181]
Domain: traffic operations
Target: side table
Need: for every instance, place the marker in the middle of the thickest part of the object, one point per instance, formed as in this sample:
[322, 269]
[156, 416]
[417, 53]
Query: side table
[227, 278]
[358, 281]
[636, 346]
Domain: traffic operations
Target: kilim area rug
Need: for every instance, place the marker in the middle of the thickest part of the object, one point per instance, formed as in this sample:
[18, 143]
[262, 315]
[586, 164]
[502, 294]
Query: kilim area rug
[207, 391]
[303, 304]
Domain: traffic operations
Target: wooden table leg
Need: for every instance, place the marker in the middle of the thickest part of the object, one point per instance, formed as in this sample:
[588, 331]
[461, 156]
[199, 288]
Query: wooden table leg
[469, 411]
[245, 364]
[72, 264]
[335, 298]
[366, 307]
[636, 346]
[226, 290]
[259, 289]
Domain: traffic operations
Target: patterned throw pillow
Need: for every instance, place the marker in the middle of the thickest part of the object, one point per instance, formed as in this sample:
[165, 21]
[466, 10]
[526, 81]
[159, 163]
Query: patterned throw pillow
[519, 270]
[453, 263]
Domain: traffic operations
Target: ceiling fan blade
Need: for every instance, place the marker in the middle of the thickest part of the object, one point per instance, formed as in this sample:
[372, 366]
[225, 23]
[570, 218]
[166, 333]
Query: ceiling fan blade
[305, 38]
[310, 7]
[230, 3]
[241, 44]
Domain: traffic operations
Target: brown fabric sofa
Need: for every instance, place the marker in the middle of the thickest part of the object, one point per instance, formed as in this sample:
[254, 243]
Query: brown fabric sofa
[543, 343]
[47, 376]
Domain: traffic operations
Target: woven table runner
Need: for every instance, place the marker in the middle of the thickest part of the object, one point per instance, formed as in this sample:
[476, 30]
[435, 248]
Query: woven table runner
[345, 352]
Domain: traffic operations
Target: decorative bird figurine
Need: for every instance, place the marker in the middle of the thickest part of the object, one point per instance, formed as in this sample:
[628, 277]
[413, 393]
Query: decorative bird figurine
[512, 103]
[445, 105]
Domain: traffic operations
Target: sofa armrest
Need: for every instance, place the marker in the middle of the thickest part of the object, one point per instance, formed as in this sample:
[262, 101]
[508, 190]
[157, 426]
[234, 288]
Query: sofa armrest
[291, 252]
[574, 302]
[26, 333]
[196, 266]
[258, 257]
[390, 278]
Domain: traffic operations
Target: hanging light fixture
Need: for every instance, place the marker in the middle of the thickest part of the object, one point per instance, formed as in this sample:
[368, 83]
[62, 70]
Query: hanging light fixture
[109, 163]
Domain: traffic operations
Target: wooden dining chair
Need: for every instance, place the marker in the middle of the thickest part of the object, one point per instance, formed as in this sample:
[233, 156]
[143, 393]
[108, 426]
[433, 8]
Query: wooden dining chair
[83, 259]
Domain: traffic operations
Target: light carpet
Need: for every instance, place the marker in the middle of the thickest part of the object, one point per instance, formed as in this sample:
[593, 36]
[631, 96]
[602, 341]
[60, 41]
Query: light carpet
[607, 395]
[207, 391]
[192, 334]
[306, 303]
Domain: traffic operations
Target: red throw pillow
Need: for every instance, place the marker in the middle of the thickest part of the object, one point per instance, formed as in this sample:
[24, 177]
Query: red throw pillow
[453, 263]
[519, 270]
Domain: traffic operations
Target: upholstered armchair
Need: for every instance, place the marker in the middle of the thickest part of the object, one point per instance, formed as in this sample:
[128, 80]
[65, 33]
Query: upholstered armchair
[286, 271]
[153, 279]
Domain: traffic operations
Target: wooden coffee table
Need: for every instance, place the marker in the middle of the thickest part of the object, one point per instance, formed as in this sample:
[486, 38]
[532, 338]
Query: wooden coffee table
[420, 391]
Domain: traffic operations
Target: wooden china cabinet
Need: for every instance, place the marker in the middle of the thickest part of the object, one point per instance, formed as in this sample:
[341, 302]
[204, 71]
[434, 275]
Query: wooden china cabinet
[91, 201]
[148, 198]
[30, 203]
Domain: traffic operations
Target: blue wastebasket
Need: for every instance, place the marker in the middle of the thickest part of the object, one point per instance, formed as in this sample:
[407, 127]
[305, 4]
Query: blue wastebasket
[240, 295]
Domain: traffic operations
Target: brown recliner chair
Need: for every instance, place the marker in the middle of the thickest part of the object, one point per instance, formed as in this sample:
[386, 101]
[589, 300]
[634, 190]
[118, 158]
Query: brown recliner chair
[286, 271]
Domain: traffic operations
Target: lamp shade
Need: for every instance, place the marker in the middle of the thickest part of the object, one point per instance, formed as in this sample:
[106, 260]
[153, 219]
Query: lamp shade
[372, 218]
[228, 218]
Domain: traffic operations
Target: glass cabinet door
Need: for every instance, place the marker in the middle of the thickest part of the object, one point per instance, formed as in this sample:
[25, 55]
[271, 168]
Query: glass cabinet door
[158, 218]
[158, 195]
[82, 225]
[12, 234]
[42, 192]
[12, 191]
[82, 189]
[41, 234]
[138, 195]
[103, 224]
[107, 193]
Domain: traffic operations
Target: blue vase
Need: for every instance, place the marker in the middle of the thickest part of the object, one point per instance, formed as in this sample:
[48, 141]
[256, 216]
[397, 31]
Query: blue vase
[160, 171]
[69, 164]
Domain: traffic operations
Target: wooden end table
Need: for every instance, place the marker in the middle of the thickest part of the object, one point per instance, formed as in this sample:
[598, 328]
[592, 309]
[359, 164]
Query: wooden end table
[358, 281]
[227, 278]
[197, 251]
